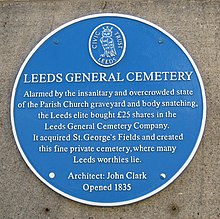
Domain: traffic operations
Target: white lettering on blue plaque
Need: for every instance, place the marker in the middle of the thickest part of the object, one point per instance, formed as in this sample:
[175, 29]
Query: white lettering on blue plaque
[108, 109]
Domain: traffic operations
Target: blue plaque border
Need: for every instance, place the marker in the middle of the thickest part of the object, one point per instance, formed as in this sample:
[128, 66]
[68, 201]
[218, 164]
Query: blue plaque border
[120, 16]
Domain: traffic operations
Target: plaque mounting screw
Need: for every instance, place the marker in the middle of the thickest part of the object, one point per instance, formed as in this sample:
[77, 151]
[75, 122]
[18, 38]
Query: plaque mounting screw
[163, 176]
[56, 42]
[160, 41]
[52, 175]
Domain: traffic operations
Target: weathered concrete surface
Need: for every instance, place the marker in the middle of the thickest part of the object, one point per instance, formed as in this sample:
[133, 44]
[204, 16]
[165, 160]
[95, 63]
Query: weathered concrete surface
[195, 23]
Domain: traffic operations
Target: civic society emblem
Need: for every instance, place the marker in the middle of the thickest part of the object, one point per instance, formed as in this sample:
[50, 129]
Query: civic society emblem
[107, 44]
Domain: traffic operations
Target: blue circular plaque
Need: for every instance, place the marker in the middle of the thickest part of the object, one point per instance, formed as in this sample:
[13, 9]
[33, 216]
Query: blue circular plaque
[108, 109]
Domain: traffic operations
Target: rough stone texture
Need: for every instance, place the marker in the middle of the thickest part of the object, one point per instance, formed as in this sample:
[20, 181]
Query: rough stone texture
[196, 24]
